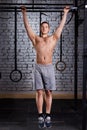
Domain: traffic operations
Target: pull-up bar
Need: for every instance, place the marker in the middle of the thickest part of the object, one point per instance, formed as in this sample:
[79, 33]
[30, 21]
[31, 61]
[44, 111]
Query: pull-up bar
[15, 4]
[34, 8]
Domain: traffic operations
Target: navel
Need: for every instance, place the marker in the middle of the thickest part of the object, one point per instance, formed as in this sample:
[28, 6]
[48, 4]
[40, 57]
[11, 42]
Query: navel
[44, 58]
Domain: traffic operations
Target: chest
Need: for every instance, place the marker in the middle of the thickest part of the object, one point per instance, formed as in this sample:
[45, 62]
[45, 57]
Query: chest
[44, 42]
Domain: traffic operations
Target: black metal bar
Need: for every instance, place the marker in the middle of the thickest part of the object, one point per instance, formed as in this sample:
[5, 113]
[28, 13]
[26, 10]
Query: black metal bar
[8, 7]
[45, 7]
[30, 9]
[84, 106]
[15, 42]
[15, 4]
[40, 21]
[76, 55]
[33, 10]
[61, 40]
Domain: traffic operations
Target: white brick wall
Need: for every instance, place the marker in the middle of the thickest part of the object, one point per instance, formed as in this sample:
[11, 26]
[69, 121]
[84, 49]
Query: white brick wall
[26, 53]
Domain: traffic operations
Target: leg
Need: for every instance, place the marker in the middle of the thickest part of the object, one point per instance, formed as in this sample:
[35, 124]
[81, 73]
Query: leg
[39, 101]
[48, 100]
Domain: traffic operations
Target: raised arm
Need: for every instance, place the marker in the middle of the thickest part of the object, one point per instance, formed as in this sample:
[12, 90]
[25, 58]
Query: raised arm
[28, 28]
[59, 29]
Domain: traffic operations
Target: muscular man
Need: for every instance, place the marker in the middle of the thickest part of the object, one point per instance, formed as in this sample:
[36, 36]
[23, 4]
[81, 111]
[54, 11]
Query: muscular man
[44, 71]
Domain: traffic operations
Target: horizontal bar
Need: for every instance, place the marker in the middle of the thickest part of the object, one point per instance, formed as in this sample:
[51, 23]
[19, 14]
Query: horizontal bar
[32, 10]
[15, 4]
[46, 8]
[35, 9]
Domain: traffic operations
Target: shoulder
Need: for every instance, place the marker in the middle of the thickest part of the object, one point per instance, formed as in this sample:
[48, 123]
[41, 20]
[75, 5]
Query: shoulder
[37, 39]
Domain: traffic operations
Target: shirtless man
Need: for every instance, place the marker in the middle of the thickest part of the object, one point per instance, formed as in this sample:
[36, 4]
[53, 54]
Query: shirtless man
[44, 71]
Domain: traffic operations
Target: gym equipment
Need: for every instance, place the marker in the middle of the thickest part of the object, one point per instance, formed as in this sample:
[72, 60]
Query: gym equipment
[9, 7]
[15, 75]
[60, 65]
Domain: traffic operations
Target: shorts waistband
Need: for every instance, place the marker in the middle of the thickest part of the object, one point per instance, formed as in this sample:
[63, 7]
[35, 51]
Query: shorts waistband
[44, 65]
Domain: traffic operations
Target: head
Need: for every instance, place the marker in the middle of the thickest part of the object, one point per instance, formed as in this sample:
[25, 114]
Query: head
[44, 28]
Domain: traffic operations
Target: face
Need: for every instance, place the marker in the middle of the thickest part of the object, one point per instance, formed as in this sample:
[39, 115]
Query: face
[44, 28]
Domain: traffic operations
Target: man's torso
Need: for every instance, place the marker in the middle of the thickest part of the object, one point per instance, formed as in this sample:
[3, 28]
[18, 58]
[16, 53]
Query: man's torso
[44, 49]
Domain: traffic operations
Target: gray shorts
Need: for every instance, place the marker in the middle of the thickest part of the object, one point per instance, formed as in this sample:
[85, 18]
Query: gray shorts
[44, 77]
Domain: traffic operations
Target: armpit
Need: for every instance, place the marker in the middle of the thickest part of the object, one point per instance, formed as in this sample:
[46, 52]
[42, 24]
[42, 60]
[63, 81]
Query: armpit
[55, 36]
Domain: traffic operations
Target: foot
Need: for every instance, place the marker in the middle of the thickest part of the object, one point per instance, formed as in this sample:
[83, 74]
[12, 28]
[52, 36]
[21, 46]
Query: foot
[41, 122]
[48, 122]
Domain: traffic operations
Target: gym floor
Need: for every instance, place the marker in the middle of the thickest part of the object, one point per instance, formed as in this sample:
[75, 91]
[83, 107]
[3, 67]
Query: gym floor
[21, 114]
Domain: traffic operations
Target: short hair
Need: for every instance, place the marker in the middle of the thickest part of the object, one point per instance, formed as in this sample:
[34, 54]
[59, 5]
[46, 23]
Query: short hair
[45, 22]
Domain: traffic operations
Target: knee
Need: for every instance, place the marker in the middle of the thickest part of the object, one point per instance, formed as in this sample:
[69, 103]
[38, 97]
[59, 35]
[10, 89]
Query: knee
[39, 93]
[48, 93]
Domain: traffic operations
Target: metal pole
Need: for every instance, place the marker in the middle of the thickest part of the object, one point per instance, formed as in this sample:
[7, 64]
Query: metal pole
[40, 21]
[19, 4]
[9, 7]
[32, 10]
[84, 105]
[15, 42]
[76, 55]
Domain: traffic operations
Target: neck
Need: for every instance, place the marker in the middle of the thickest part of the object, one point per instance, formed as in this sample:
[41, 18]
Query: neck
[44, 35]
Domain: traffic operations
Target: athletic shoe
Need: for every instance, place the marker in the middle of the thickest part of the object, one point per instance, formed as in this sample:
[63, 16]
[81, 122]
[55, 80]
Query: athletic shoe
[48, 122]
[41, 122]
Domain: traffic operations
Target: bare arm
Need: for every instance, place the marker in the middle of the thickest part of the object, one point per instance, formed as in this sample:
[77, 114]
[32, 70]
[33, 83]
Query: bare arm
[28, 28]
[59, 29]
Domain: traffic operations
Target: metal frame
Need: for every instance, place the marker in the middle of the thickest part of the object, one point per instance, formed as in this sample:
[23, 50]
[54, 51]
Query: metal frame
[9, 7]
[84, 104]
[76, 55]
[17, 4]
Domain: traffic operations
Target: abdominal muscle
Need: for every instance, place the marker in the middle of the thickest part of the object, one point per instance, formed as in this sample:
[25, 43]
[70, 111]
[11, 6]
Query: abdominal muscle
[44, 59]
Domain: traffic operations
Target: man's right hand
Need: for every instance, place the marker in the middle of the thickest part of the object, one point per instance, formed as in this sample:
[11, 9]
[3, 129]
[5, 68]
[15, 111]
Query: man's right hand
[66, 9]
[23, 8]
